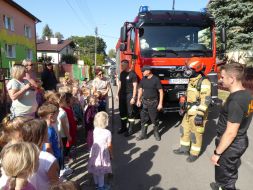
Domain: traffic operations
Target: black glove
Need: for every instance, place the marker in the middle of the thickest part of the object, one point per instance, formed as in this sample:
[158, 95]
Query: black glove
[198, 120]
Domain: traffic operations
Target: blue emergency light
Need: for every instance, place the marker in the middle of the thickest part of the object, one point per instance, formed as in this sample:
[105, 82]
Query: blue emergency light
[143, 9]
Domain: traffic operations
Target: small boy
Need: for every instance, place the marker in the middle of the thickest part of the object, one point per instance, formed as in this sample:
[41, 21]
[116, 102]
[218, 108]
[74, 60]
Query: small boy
[49, 113]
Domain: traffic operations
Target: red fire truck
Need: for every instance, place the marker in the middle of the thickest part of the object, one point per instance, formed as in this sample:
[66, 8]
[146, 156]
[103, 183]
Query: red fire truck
[165, 40]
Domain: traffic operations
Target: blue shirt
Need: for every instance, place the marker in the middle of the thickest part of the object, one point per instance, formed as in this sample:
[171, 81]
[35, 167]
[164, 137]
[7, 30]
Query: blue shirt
[53, 140]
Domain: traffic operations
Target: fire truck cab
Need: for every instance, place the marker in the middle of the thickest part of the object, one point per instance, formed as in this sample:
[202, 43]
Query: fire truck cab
[165, 40]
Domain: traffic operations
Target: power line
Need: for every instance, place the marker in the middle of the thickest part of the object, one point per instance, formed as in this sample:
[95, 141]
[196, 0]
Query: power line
[79, 18]
[84, 13]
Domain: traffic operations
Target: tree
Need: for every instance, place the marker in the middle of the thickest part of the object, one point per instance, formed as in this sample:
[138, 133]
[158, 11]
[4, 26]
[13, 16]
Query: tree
[69, 59]
[85, 48]
[237, 17]
[58, 35]
[47, 32]
[112, 53]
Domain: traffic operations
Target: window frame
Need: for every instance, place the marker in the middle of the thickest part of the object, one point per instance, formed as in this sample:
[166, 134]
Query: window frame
[13, 50]
[8, 23]
[28, 31]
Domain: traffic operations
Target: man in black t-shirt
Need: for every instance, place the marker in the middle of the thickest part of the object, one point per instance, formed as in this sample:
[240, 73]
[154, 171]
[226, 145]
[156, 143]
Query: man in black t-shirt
[127, 90]
[149, 89]
[234, 121]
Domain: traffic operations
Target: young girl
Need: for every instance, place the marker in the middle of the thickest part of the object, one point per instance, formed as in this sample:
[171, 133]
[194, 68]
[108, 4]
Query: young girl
[11, 129]
[71, 119]
[89, 119]
[77, 108]
[35, 131]
[99, 162]
[19, 161]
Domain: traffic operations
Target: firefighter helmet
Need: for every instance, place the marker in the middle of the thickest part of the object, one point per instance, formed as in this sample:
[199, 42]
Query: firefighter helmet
[195, 63]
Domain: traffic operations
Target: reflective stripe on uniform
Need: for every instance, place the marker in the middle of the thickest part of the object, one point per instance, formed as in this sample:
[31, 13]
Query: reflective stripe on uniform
[195, 148]
[123, 118]
[202, 108]
[205, 86]
[184, 143]
[131, 120]
[192, 89]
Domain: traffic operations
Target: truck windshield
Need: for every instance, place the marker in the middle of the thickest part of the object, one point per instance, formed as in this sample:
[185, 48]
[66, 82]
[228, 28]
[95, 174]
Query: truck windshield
[175, 41]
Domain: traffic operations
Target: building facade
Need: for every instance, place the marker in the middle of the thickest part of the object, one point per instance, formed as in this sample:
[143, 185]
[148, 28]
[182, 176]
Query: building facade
[54, 48]
[17, 34]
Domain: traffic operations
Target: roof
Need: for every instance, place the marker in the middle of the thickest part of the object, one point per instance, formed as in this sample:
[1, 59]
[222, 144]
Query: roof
[21, 9]
[45, 45]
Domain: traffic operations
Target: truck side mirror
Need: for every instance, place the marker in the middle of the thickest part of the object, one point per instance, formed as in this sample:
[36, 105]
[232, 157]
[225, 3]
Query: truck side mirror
[223, 38]
[123, 34]
[123, 47]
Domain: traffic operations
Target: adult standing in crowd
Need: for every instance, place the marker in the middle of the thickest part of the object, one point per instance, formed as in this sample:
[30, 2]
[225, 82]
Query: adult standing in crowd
[198, 99]
[127, 91]
[30, 75]
[48, 77]
[101, 85]
[151, 103]
[22, 93]
[234, 121]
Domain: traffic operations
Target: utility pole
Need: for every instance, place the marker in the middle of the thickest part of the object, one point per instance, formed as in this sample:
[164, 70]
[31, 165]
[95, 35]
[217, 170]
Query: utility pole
[96, 33]
[173, 6]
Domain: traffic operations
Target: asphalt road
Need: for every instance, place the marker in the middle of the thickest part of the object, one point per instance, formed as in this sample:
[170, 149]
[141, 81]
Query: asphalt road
[151, 165]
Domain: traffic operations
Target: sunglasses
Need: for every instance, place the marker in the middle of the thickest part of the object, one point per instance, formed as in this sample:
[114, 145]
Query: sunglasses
[29, 65]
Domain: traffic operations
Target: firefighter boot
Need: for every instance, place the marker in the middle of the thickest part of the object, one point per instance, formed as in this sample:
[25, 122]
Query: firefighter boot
[129, 132]
[156, 133]
[192, 158]
[143, 134]
[123, 127]
[182, 151]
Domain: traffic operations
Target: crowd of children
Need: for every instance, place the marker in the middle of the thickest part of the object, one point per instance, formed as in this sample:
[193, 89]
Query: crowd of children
[35, 150]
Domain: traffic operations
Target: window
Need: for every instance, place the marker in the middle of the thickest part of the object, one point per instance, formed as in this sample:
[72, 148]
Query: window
[29, 54]
[132, 42]
[28, 31]
[10, 51]
[8, 23]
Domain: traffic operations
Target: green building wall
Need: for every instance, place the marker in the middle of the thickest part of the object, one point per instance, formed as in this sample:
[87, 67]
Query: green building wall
[21, 45]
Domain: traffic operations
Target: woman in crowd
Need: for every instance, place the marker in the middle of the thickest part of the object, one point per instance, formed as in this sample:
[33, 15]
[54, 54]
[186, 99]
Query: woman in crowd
[48, 78]
[100, 84]
[22, 93]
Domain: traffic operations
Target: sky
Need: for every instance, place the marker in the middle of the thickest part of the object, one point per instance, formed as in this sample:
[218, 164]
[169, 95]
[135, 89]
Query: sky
[81, 17]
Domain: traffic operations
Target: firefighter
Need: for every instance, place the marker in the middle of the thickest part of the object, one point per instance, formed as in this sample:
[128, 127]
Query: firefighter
[127, 90]
[234, 120]
[198, 99]
[151, 103]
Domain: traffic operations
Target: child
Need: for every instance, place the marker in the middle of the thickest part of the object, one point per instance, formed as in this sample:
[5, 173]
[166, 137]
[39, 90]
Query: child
[77, 108]
[101, 101]
[83, 99]
[19, 161]
[35, 131]
[72, 122]
[49, 113]
[89, 119]
[12, 128]
[99, 162]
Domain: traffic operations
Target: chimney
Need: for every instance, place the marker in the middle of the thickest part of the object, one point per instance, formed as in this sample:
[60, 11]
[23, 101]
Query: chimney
[54, 41]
